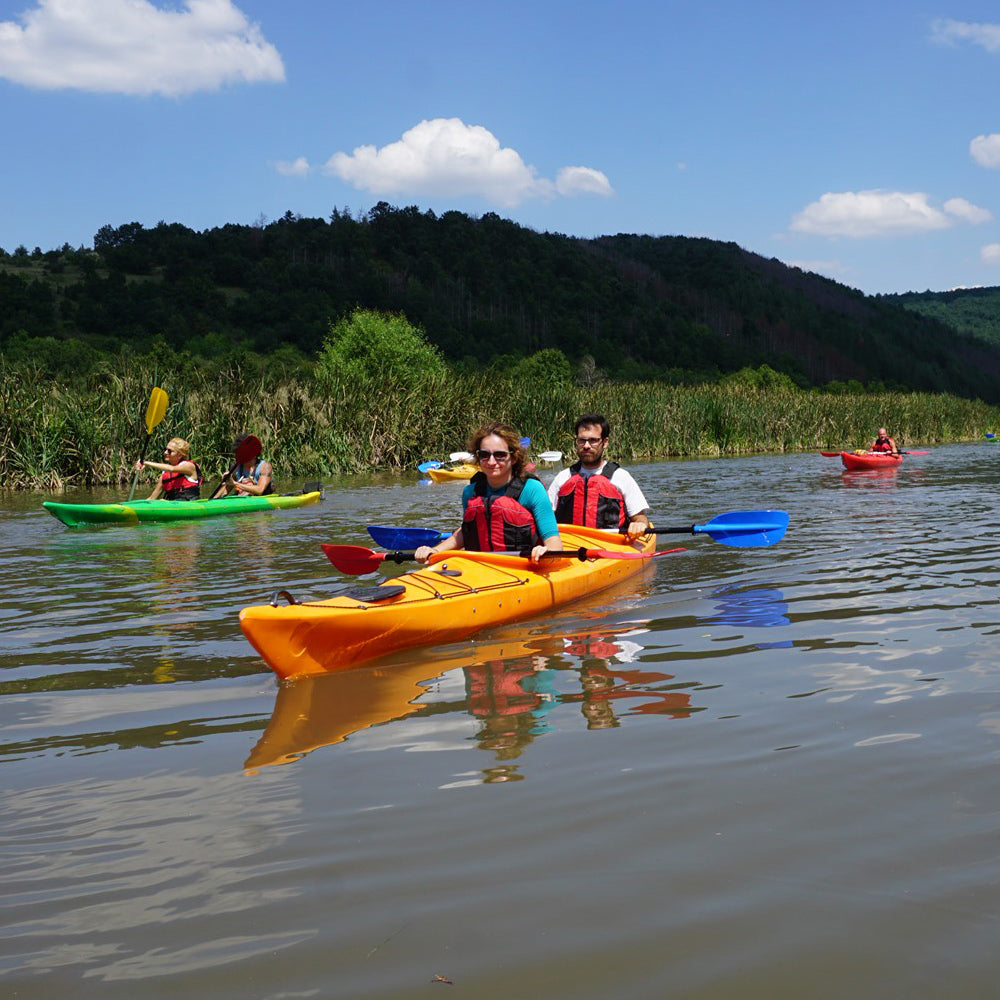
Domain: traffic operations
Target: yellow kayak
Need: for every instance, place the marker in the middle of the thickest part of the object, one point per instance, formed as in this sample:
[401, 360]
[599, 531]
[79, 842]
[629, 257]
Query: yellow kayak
[453, 596]
[463, 471]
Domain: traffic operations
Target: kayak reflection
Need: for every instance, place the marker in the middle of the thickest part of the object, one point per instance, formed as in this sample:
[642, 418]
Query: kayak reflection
[511, 688]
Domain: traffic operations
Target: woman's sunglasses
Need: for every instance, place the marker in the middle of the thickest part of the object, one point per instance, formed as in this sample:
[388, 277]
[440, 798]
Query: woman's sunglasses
[497, 456]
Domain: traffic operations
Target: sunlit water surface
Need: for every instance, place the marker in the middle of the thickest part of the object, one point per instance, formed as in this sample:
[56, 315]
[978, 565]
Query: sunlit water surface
[755, 773]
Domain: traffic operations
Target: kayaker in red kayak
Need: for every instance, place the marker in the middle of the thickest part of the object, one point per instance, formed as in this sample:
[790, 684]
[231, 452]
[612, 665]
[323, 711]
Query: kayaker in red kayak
[595, 492]
[884, 443]
[180, 478]
[503, 507]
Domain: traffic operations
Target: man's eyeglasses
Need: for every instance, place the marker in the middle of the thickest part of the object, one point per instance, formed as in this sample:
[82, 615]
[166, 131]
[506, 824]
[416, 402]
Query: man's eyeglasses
[590, 441]
[168, 451]
[497, 456]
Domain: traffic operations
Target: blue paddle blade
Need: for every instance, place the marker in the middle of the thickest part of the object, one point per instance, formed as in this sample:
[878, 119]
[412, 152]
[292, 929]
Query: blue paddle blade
[746, 529]
[524, 442]
[404, 538]
[424, 466]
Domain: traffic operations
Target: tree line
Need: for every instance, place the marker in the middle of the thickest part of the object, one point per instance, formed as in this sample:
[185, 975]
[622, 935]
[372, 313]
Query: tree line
[486, 292]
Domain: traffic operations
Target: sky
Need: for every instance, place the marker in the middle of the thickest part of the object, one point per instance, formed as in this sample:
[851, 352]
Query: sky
[861, 142]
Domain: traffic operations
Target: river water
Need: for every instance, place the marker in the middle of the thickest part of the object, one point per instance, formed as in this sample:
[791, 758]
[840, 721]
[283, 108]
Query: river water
[754, 773]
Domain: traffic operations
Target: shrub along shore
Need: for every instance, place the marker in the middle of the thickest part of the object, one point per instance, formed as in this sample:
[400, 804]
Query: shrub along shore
[87, 430]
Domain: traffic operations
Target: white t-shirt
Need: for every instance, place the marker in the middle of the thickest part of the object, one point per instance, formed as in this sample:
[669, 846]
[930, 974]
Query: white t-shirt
[635, 502]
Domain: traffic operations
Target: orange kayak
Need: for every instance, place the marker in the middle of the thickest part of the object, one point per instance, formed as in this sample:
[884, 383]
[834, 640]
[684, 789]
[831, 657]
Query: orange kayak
[450, 598]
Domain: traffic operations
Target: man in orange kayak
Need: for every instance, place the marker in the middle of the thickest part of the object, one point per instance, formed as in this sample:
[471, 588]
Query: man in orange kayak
[595, 492]
[884, 443]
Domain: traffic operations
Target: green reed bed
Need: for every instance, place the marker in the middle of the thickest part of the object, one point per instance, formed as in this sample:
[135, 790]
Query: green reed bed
[88, 431]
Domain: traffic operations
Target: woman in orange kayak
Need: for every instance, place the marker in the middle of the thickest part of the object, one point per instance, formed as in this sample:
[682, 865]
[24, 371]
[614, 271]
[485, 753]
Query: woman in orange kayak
[884, 443]
[504, 509]
[181, 478]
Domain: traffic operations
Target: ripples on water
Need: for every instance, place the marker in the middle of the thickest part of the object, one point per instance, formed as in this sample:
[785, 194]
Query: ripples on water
[749, 772]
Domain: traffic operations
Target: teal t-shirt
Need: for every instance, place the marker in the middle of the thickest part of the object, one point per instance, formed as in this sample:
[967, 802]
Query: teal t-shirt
[534, 497]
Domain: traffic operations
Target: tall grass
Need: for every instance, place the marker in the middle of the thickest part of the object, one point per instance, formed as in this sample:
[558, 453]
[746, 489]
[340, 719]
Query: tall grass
[88, 431]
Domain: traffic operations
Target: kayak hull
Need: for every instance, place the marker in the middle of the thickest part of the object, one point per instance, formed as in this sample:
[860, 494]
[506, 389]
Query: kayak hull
[464, 471]
[141, 511]
[870, 460]
[455, 595]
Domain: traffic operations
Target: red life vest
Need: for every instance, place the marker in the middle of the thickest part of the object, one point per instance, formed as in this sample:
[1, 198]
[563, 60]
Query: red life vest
[177, 486]
[592, 501]
[881, 444]
[498, 523]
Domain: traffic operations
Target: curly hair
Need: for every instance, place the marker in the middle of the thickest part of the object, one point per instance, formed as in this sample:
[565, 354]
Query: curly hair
[510, 437]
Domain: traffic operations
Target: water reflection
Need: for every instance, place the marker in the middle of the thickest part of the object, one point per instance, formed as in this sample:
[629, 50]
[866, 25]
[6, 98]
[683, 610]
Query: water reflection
[751, 606]
[513, 689]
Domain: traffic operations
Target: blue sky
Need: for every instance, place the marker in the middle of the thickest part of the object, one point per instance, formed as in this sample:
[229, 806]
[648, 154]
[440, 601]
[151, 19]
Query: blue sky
[860, 141]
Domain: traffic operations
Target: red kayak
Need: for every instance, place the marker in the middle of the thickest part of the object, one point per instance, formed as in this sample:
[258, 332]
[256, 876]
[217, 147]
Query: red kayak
[870, 460]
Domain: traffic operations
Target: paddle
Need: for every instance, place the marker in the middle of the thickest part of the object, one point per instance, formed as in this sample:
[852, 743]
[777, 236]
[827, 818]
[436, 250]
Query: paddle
[357, 560]
[836, 454]
[740, 529]
[246, 451]
[155, 410]
[455, 456]
[550, 456]
[404, 538]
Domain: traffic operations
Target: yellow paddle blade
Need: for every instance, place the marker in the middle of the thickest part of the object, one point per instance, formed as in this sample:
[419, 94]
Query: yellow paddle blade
[156, 409]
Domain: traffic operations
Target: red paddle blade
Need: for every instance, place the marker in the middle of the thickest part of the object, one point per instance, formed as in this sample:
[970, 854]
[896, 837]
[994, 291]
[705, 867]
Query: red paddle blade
[353, 559]
[247, 450]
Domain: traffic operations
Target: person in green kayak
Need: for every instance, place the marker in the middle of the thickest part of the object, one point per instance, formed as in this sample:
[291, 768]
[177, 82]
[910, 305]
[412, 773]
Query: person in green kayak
[504, 508]
[180, 478]
[884, 443]
[252, 477]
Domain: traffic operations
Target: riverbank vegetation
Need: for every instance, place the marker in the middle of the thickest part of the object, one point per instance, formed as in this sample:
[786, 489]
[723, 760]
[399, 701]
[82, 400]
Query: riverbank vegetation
[397, 408]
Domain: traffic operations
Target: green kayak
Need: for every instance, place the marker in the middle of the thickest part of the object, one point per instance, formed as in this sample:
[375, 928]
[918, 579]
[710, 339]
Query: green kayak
[135, 511]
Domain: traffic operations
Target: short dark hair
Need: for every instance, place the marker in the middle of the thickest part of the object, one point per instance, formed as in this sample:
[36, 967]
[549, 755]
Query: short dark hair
[589, 420]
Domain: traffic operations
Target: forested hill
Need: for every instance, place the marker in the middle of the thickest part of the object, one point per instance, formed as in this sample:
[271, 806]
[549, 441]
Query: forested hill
[484, 289]
[972, 311]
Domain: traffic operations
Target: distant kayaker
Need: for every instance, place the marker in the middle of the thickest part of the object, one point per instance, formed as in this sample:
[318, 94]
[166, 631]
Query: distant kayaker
[252, 478]
[884, 443]
[180, 478]
[595, 492]
[504, 509]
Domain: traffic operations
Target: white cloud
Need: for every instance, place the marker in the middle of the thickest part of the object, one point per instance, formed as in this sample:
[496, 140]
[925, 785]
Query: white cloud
[962, 209]
[861, 214]
[582, 180]
[990, 254]
[133, 47]
[951, 32]
[444, 156]
[298, 167]
[985, 150]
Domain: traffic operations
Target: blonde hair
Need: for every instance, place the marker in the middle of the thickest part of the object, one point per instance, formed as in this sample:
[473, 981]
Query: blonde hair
[179, 447]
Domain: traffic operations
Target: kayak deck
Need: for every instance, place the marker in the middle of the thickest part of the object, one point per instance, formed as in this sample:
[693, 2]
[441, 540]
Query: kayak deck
[140, 511]
[453, 596]
[870, 460]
